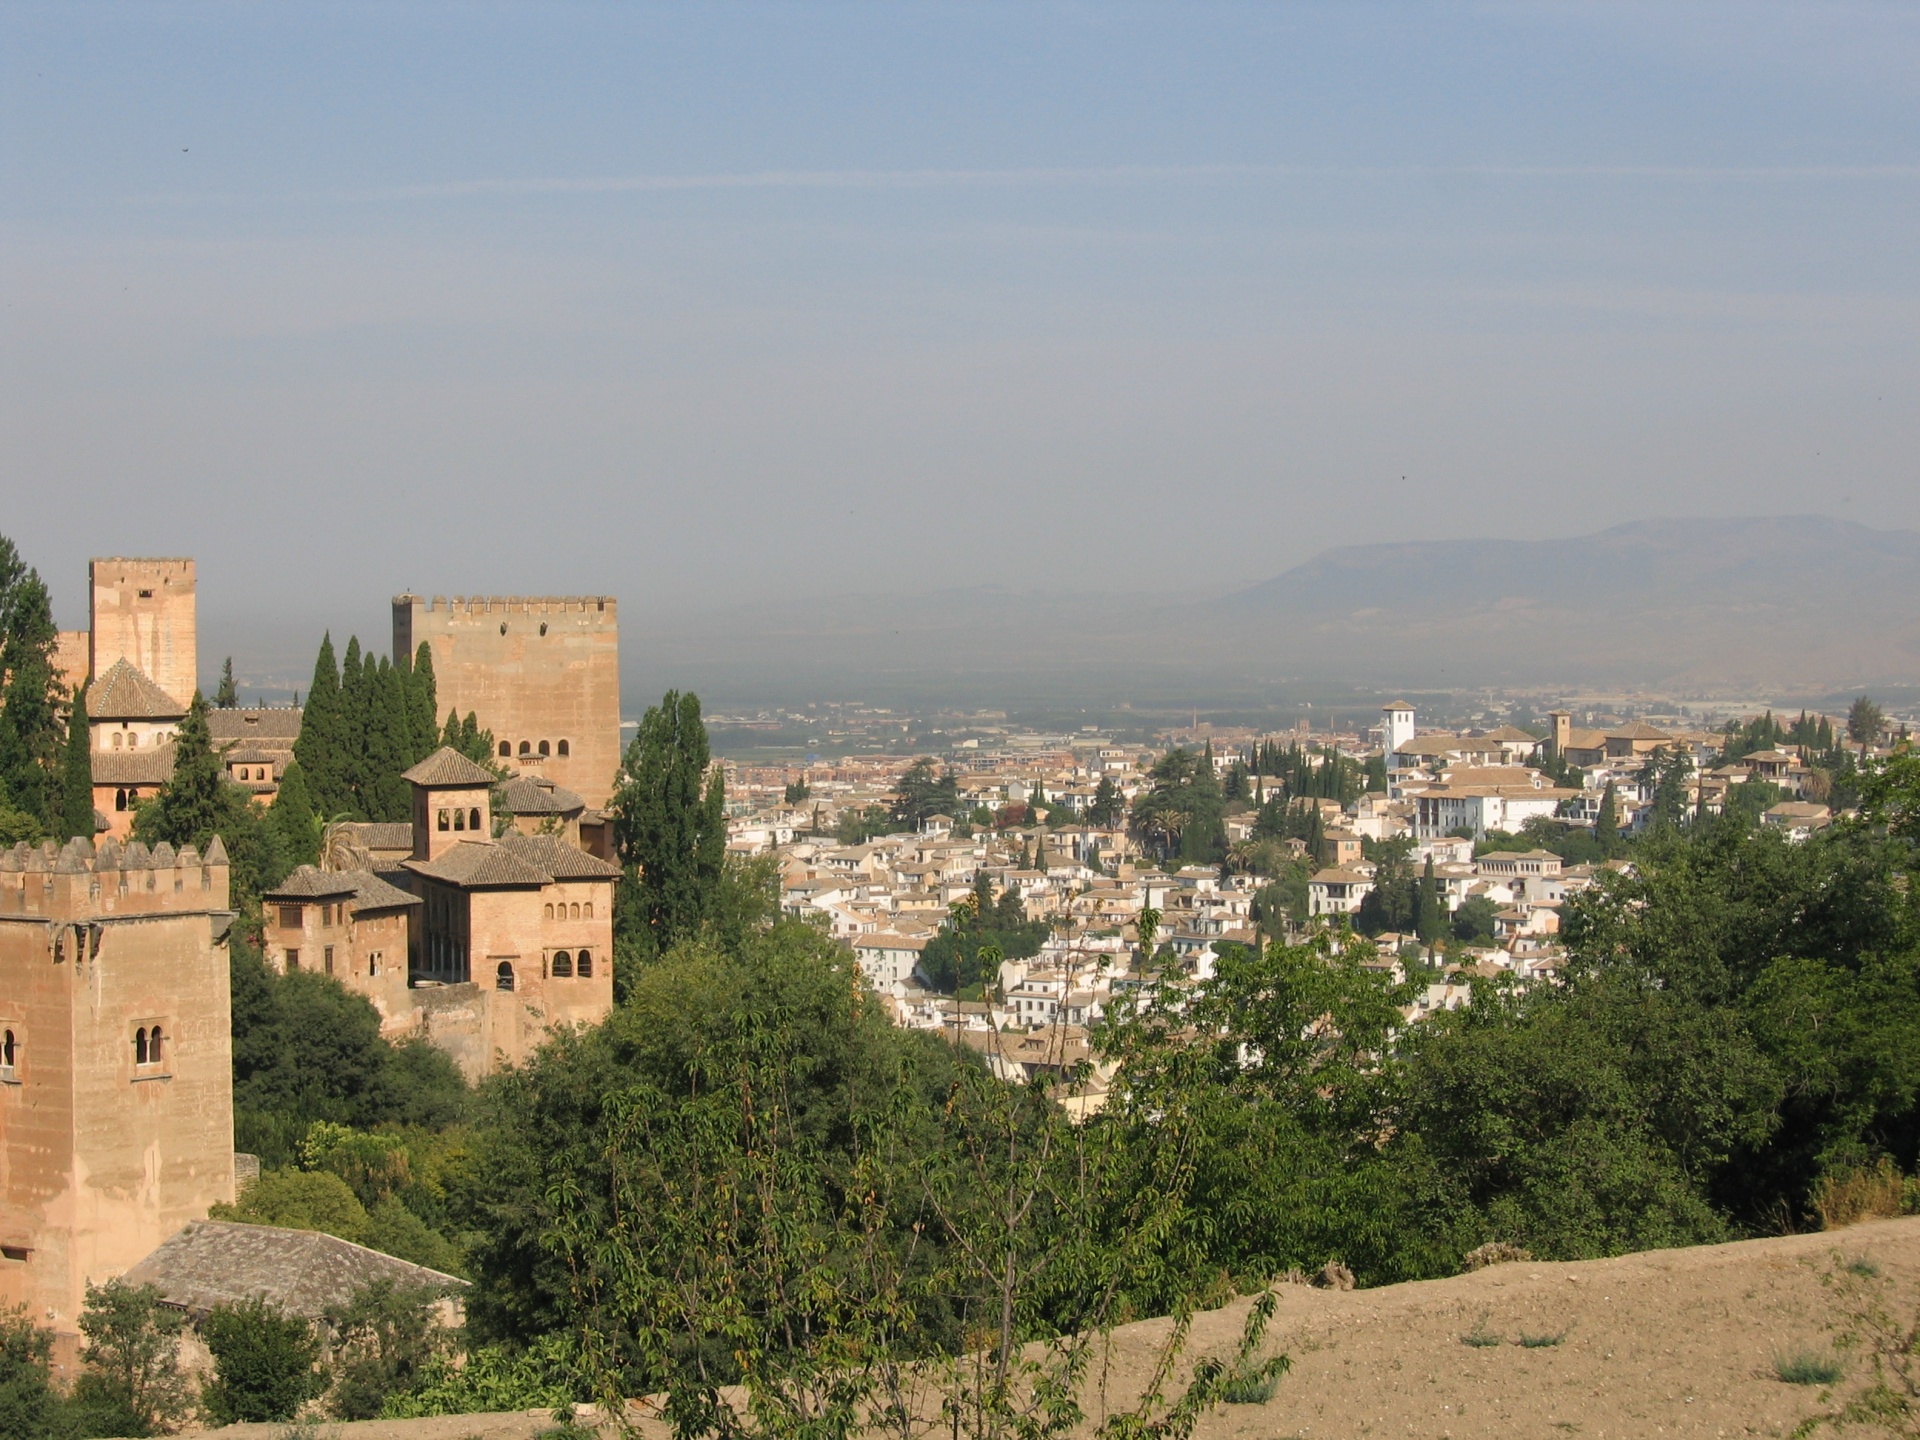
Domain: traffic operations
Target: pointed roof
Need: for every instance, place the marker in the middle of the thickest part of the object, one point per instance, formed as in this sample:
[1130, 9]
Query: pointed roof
[536, 795]
[447, 768]
[125, 693]
[1396, 705]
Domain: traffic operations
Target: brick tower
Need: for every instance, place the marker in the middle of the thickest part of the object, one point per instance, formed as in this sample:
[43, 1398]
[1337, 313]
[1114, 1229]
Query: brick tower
[543, 674]
[143, 613]
[116, 1063]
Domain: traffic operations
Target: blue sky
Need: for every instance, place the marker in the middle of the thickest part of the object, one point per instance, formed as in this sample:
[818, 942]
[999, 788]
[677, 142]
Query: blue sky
[708, 301]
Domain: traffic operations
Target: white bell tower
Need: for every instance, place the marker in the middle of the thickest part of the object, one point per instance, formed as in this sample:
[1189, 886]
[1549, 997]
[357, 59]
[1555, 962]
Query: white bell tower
[1396, 726]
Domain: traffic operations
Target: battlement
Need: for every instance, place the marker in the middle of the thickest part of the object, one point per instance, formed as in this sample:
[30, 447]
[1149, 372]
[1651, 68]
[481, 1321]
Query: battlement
[511, 604]
[79, 881]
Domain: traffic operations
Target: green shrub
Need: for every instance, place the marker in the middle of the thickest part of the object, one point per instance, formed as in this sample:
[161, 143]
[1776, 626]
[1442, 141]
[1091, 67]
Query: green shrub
[265, 1363]
[1807, 1367]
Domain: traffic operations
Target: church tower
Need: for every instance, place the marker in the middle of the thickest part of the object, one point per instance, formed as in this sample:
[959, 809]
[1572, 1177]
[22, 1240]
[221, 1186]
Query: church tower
[1396, 727]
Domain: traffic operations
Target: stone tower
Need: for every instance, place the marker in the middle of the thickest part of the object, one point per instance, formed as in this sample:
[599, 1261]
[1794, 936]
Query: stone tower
[116, 1063]
[543, 674]
[143, 612]
[1396, 727]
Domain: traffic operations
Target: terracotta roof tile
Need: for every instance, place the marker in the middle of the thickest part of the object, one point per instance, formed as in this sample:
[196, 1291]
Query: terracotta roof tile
[125, 693]
[448, 767]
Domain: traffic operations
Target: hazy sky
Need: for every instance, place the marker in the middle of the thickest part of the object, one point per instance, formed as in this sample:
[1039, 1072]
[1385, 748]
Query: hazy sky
[690, 301]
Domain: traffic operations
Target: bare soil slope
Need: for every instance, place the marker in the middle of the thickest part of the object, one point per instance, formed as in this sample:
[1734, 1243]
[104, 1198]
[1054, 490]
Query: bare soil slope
[1667, 1343]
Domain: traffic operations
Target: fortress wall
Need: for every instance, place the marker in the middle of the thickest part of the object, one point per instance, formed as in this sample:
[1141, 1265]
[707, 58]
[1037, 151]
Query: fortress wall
[532, 669]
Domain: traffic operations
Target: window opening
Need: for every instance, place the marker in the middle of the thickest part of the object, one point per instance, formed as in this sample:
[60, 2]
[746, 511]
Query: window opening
[444, 820]
[562, 965]
[140, 1046]
[473, 819]
[543, 749]
[506, 748]
[562, 748]
[7, 1050]
[583, 965]
[503, 976]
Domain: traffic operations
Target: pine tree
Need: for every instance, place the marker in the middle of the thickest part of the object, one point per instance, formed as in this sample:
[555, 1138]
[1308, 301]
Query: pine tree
[319, 747]
[226, 697]
[76, 773]
[669, 827]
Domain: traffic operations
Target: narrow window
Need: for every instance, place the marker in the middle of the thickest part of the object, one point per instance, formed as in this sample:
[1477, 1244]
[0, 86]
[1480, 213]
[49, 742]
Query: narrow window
[562, 965]
[6, 1050]
[293, 959]
[506, 749]
[329, 959]
[526, 748]
[589, 909]
[576, 911]
[583, 965]
[563, 748]
[443, 821]
[543, 749]
[473, 819]
[460, 820]
[140, 1046]
[503, 976]
[549, 910]
[120, 799]
[153, 1046]
[116, 739]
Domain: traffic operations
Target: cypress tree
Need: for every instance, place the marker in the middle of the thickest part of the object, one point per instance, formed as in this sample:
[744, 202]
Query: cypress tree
[31, 733]
[1606, 829]
[669, 827]
[355, 714]
[424, 704]
[76, 773]
[389, 743]
[1427, 908]
[319, 746]
[193, 805]
[227, 696]
[293, 820]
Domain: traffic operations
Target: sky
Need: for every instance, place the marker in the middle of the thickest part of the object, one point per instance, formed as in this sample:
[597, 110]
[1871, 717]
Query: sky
[702, 303]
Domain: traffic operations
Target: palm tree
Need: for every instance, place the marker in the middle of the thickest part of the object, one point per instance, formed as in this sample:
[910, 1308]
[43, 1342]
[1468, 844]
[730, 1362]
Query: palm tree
[340, 848]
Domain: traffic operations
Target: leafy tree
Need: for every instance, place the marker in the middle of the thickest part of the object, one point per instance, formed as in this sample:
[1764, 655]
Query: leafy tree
[1107, 805]
[76, 773]
[130, 1383]
[226, 695]
[31, 732]
[265, 1363]
[1393, 903]
[1182, 813]
[307, 1049]
[798, 792]
[30, 1407]
[1473, 920]
[387, 1338]
[856, 827]
[300, 1200]
[1665, 781]
[1864, 721]
[920, 794]
[669, 828]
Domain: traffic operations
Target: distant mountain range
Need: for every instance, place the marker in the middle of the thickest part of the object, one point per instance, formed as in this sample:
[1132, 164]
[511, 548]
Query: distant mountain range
[1787, 604]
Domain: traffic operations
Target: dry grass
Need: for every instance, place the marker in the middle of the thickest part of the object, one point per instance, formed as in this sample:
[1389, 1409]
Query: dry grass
[1847, 1197]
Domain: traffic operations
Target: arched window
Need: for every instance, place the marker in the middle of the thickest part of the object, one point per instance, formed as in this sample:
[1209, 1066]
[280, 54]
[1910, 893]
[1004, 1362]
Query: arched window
[562, 965]
[6, 1050]
[140, 1046]
[473, 818]
[526, 748]
[116, 739]
[133, 741]
[153, 1046]
[506, 748]
[459, 819]
[589, 909]
[549, 914]
[503, 976]
[563, 748]
[120, 799]
[583, 965]
[445, 821]
[543, 750]
[576, 911]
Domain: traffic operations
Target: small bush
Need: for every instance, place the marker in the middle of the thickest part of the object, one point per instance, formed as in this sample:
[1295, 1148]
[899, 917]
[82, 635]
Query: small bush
[1494, 1252]
[1807, 1367]
[1254, 1385]
[1541, 1342]
[1864, 1268]
[263, 1362]
[1857, 1193]
[1480, 1338]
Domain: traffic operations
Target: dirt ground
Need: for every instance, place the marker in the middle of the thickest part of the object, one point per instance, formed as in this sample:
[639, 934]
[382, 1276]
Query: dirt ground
[1667, 1343]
